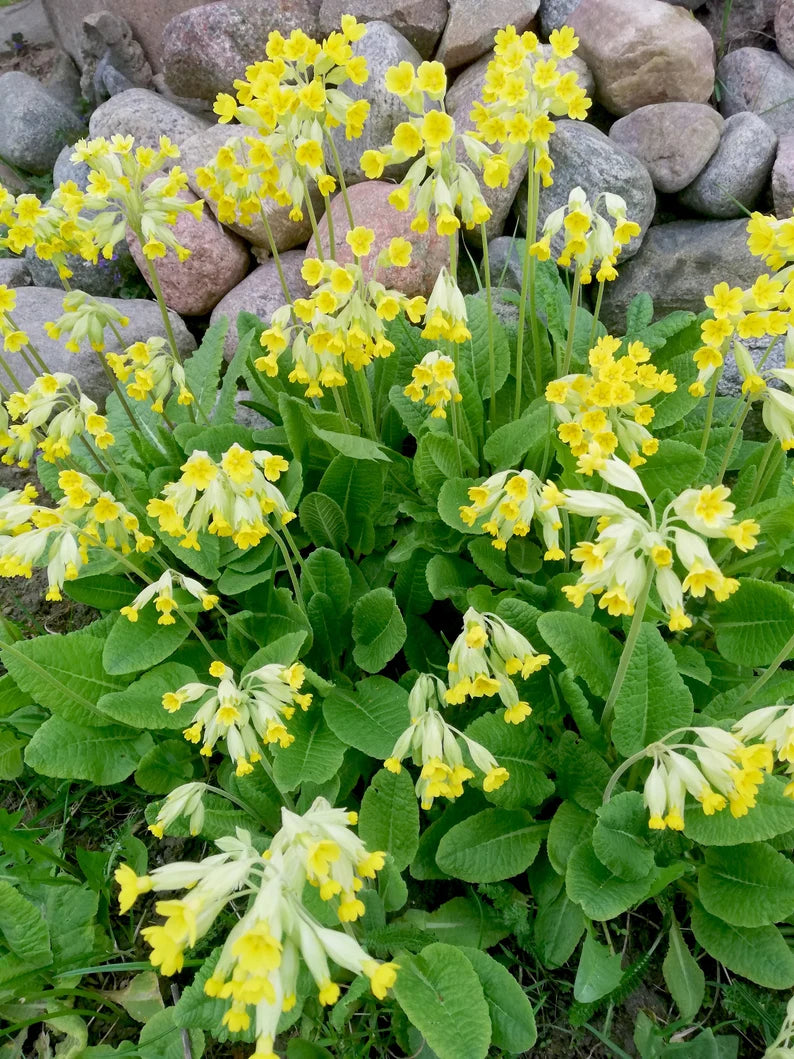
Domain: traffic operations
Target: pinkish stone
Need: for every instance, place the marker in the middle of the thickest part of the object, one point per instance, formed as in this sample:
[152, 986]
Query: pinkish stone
[219, 260]
[371, 208]
[783, 177]
[641, 53]
[261, 293]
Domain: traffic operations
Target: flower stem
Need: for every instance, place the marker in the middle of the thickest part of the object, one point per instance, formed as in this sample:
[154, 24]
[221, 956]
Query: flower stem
[489, 302]
[732, 440]
[365, 400]
[704, 441]
[596, 314]
[341, 175]
[571, 322]
[782, 656]
[628, 651]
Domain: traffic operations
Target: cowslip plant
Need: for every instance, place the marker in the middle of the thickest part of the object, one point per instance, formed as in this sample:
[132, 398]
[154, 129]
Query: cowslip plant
[478, 642]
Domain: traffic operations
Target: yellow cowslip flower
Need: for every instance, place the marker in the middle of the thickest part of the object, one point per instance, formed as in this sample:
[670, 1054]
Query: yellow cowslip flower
[725, 773]
[521, 91]
[774, 726]
[505, 505]
[608, 410]
[50, 414]
[162, 592]
[53, 229]
[85, 319]
[589, 236]
[150, 371]
[85, 517]
[434, 382]
[446, 315]
[233, 497]
[256, 973]
[485, 657]
[185, 800]
[248, 714]
[342, 323]
[630, 547]
[437, 748]
[127, 187]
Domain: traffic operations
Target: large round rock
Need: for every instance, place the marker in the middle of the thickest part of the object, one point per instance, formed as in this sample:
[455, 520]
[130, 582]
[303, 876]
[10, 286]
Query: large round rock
[640, 53]
[678, 264]
[34, 127]
[672, 140]
[371, 208]
[206, 48]
[472, 24]
[737, 172]
[584, 157]
[760, 81]
[145, 116]
[421, 22]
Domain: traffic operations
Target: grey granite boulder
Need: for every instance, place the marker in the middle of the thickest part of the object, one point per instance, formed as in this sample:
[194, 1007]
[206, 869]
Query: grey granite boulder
[14, 272]
[554, 14]
[783, 177]
[38, 305]
[421, 22]
[104, 279]
[672, 140]
[737, 172]
[678, 264]
[33, 126]
[472, 24]
[584, 157]
[146, 116]
[760, 81]
[749, 23]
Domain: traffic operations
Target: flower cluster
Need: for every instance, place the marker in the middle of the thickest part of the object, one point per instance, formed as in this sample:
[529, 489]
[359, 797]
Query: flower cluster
[725, 772]
[127, 187]
[342, 322]
[437, 748]
[437, 183]
[149, 371]
[84, 518]
[446, 316]
[53, 229]
[485, 657]
[13, 338]
[247, 714]
[608, 409]
[49, 415]
[162, 592]
[777, 406]
[629, 548]
[589, 236]
[505, 505]
[522, 88]
[774, 726]
[186, 800]
[434, 382]
[85, 318]
[760, 310]
[261, 957]
[232, 497]
[291, 100]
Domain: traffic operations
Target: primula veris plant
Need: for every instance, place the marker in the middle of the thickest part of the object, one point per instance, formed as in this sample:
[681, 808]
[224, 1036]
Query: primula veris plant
[480, 639]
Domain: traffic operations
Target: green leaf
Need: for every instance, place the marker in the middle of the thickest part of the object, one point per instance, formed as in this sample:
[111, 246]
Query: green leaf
[202, 368]
[11, 747]
[517, 442]
[140, 705]
[161, 1038]
[489, 846]
[103, 756]
[315, 755]
[378, 629]
[140, 997]
[324, 570]
[371, 718]
[102, 591]
[475, 354]
[653, 698]
[323, 520]
[519, 752]
[586, 648]
[460, 921]
[619, 837]
[438, 458]
[754, 624]
[770, 817]
[439, 991]
[389, 818]
[582, 773]
[639, 313]
[675, 465]
[23, 927]
[670, 408]
[450, 577]
[512, 1017]
[356, 486]
[410, 587]
[596, 890]
[749, 886]
[453, 495]
[759, 953]
[569, 826]
[166, 766]
[683, 976]
[135, 645]
[557, 929]
[63, 673]
[598, 973]
[350, 445]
